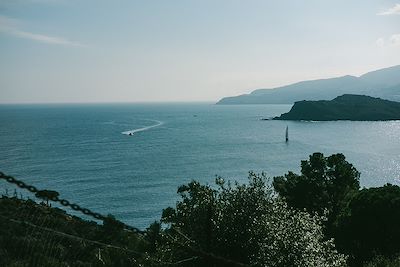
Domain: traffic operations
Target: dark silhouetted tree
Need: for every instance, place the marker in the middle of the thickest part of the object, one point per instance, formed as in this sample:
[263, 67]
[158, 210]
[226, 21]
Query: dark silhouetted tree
[47, 195]
[325, 184]
[371, 224]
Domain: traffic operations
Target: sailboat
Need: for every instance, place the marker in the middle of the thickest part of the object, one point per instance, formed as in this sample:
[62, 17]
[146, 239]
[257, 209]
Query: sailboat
[287, 134]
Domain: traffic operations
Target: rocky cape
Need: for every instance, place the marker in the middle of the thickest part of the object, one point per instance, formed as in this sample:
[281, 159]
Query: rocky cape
[383, 83]
[345, 107]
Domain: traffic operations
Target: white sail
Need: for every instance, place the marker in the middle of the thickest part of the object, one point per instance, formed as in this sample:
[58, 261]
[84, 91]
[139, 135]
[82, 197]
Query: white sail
[287, 133]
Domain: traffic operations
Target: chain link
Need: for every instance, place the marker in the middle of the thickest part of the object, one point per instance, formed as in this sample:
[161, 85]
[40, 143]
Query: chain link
[63, 202]
[98, 216]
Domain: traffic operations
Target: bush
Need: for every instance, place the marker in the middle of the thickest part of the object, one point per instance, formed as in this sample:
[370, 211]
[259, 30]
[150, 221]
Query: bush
[370, 225]
[325, 185]
[381, 261]
[243, 223]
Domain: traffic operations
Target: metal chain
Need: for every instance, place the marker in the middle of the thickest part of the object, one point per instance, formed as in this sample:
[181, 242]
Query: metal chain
[64, 202]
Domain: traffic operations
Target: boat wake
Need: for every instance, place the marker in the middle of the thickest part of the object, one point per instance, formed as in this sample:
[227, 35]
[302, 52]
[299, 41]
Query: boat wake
[132, 132]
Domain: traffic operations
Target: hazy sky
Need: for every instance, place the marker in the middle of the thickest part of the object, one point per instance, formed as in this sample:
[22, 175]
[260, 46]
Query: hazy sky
[199, 50]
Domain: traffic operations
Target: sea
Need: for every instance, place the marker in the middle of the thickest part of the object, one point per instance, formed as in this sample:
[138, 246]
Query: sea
[129, 159]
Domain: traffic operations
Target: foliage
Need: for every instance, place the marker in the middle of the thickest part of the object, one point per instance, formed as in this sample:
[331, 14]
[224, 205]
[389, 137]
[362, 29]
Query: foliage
[47, 195]
[364, 223]
[246, 224]
[344, 107]
[325, 184]
[370, 225]
[38, 235]
[381, 261]
[227, 224]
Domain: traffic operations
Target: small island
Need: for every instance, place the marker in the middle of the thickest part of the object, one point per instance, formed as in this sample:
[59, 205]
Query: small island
[345, 107]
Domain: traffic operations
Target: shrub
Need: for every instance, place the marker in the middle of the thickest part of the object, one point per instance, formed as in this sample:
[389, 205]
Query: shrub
[244, 223]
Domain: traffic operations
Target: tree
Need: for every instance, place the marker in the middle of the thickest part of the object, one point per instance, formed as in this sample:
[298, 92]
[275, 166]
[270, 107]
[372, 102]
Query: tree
[47, 195]
[245, 224]
[369, 226]
[325, 184]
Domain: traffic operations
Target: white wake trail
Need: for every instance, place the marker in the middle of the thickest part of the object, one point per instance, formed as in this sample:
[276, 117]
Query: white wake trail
[132, 132]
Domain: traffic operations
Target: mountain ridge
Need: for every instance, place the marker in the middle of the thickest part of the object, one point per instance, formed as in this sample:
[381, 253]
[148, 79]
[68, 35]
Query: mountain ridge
[374, 83]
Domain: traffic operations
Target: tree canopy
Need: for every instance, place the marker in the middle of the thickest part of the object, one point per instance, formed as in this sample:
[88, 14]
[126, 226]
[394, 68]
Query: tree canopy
[370, 225]
[317, 218]
[47, 195]
[247, 224]
[324, 185]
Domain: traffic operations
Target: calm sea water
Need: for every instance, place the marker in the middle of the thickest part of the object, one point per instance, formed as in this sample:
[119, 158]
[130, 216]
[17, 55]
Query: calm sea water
[86, 153]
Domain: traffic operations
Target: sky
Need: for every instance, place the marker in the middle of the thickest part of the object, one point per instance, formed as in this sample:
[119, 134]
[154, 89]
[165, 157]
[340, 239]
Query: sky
[186, 50]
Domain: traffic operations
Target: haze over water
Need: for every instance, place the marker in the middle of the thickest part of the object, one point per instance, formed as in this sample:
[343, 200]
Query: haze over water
[85, 152]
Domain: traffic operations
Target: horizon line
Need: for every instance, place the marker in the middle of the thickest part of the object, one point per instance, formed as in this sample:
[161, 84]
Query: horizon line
[106, 102]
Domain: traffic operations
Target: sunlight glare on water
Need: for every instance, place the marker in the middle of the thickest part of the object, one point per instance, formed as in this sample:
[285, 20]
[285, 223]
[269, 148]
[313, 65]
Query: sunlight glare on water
[79, 150]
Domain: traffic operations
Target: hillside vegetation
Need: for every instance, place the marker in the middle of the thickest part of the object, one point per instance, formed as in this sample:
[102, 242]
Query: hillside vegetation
[319, 217]
[345, 107]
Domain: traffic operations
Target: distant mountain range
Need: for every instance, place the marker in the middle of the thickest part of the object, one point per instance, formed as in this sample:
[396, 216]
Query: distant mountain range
[383, 83]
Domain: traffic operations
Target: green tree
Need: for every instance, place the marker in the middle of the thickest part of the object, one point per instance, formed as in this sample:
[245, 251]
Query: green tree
[381, 261]
[370, 225]
[47, 195]
[325, 184]
[243, 223]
